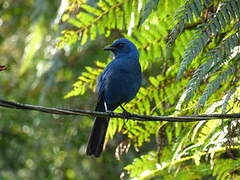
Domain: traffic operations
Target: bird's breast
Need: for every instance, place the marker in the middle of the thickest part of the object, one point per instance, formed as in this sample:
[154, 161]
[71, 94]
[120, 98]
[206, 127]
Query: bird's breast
[122, 85]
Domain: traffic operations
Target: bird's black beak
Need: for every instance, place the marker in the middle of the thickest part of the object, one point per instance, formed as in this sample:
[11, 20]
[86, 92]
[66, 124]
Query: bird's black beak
[109, 48]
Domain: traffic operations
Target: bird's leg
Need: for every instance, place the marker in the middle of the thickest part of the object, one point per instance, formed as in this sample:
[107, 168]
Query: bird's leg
[106, 109]
[105, 106]
[125, 112]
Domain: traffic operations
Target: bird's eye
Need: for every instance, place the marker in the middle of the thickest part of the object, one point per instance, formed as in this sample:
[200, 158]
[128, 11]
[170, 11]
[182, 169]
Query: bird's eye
[120, 45]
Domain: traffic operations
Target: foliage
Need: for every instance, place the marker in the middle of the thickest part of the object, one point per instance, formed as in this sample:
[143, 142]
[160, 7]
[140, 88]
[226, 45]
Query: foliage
[190, 64]
[35, 145]
[213, 35]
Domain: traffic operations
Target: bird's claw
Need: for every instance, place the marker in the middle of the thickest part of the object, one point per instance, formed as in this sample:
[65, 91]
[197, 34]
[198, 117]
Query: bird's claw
[126, 115]
[110, 113]
[124, 110]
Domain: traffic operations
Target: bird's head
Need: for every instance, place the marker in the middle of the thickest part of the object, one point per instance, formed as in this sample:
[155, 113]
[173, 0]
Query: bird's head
[122, 46]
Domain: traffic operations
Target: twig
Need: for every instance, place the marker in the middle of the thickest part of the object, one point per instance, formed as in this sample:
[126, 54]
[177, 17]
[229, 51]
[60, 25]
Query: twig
[2, 68]
[63, 111]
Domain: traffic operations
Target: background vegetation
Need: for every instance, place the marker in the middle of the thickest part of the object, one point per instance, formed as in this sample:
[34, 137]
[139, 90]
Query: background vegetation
[190, 61]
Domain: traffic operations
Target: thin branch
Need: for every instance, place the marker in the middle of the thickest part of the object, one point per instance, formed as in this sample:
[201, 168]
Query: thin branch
[63, 111]
[2, 68]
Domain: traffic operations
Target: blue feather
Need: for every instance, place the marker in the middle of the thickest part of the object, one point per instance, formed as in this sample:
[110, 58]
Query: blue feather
[117, 84]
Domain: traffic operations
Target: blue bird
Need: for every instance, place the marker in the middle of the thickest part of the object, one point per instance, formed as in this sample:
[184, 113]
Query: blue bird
[117, 84]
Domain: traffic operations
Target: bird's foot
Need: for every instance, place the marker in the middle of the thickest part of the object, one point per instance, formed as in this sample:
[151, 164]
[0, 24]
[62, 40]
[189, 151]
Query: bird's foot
[124, 110]
[110, 113]
[125, 113]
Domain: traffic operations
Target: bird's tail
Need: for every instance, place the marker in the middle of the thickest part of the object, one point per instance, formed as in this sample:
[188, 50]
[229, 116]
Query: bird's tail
[97, 137]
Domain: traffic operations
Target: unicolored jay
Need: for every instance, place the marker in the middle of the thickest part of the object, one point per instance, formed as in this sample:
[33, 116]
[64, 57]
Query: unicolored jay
[117, 84]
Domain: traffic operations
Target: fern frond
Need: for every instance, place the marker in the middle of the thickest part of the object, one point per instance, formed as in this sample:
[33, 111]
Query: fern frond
[227, 12]
[143, 165]
[206, 32]
[206, 134]
[214, 60]
[150, 43]
[227, 98]
[87, 80]
[146, 167]
[150, 36]
[224, 169]
[188, 13]
[213, 86]
[92, 21]
[194, 48]
[151, 6]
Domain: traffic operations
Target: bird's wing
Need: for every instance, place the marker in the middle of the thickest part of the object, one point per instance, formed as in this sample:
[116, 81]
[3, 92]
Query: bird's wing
[119, 82]
[102, 79]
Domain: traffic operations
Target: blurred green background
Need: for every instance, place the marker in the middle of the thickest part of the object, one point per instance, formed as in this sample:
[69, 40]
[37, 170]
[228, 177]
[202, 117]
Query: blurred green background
[190, 61]
[35, 145]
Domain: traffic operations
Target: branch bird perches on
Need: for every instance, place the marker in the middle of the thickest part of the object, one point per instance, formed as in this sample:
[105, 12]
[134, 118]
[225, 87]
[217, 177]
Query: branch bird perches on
[138, 117]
